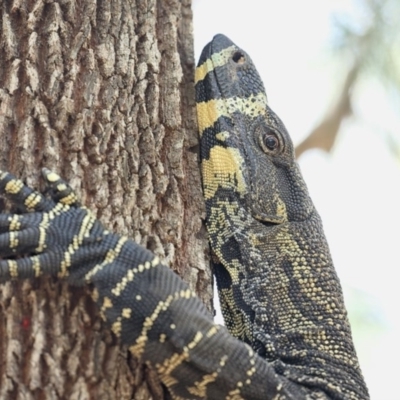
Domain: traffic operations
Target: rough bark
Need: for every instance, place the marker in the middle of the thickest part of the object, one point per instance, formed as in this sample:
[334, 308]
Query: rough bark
[101, 92]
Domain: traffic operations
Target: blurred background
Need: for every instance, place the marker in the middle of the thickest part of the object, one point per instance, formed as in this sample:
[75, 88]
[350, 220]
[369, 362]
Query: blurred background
[332, 73]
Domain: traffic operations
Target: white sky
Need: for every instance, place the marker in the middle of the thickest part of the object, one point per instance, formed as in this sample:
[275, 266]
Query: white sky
[356, 188]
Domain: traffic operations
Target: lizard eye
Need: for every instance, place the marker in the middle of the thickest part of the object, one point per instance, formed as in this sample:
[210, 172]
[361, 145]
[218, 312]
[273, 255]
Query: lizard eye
[269, 142]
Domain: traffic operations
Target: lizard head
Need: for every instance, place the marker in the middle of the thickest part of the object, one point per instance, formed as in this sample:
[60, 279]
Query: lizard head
[247, 156]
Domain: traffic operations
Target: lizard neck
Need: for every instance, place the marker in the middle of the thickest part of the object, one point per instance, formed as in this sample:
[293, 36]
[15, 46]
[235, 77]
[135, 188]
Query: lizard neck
[283, 287]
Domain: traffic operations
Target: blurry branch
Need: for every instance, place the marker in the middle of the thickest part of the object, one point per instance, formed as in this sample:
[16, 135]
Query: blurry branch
[371, 40]
[324, 135]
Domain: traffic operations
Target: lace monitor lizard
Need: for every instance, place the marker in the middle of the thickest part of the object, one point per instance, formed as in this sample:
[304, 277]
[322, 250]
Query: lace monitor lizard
[279, 291]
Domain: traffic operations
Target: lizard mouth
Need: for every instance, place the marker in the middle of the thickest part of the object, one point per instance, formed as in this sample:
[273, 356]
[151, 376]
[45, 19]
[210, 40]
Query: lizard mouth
[269, 224]
[268, 220]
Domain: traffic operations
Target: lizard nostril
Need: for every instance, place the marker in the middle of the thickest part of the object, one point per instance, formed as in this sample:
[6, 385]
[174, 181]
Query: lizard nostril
[238, 57]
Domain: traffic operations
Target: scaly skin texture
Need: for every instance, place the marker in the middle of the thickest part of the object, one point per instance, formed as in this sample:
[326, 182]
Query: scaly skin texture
[278, 287]
[277, 284]
[145, 304]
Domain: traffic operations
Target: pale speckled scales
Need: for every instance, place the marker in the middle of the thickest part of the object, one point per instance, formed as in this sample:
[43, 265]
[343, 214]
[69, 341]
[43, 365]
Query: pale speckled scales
[149, 307]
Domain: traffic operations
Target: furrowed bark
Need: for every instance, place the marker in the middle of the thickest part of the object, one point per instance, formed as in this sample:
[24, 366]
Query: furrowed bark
[102, 93]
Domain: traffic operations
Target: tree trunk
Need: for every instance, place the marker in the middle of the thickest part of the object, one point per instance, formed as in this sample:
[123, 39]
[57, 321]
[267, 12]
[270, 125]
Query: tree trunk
[102, 93]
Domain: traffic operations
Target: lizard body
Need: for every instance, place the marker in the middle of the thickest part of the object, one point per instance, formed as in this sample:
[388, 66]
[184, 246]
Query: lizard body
[279, 292]
[278, 287]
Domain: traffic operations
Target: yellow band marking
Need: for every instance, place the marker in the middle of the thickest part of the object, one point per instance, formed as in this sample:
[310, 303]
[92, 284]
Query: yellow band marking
[138, 348]
[15, 224]
[164, 370]
[107, 303]
[13, 243]
[170, 364]
[223, 169]
[208, 112]
[216, 60]
[109, 258]
[130, 275]
[71, 198]
[200, 387]
[14, 186]
[13, 268]
[36, 266]
[126, 312]
[86, 224]
[32, 200]
[43, 226]
[213, 331]
[66, 262]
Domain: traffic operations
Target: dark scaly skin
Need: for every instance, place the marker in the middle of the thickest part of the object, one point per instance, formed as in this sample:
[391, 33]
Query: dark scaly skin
[149, 307]
[278, 288]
